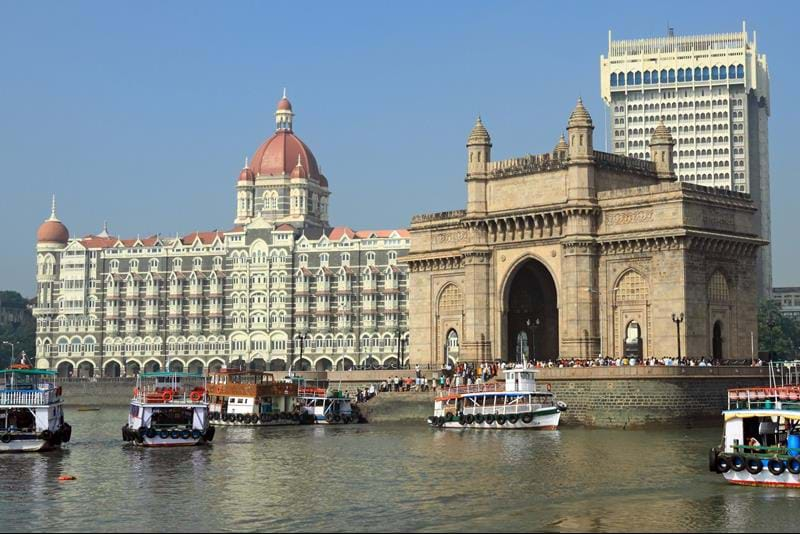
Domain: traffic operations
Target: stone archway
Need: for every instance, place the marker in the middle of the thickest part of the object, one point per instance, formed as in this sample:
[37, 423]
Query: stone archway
[65, 369]
[112, 370]
[531, 313]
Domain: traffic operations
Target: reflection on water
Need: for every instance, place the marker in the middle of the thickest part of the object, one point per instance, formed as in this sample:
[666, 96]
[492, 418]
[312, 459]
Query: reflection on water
[384, 477]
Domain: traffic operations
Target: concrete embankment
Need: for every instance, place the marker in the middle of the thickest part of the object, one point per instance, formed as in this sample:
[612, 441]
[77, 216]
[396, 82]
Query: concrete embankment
[627, 397]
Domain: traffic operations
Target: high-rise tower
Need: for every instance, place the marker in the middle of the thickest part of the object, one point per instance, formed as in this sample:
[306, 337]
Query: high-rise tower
[712, 92]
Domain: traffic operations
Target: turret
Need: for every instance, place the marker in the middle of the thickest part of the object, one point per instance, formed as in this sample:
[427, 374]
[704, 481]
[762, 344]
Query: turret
[580, 130]
[479, 149]
[561, 151]
[284, 114]
[661, 152]
[479, 152]
[245, 195]
[52, 234]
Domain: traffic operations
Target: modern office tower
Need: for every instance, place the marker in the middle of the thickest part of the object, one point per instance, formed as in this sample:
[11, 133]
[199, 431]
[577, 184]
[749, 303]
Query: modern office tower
[712, 92]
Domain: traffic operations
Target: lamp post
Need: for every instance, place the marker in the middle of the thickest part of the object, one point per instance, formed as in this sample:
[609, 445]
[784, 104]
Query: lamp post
[400, 340]
[678, 319]
[532, 326]
[302, 337]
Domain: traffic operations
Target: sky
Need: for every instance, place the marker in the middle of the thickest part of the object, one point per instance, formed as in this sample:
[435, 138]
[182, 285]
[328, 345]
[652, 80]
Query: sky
[142, 113]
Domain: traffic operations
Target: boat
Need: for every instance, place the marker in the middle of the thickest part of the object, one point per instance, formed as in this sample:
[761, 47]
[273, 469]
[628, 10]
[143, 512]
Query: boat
[515, 404]
[253, 398]
[31, 411]
[325, 408]
[168, 409]
[761, 436]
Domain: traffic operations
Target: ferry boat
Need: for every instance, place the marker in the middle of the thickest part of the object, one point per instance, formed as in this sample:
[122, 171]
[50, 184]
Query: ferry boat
[761, 437]
[168, 409]
[31, 411]
[517, 404]
[329, 409]
[253, 398]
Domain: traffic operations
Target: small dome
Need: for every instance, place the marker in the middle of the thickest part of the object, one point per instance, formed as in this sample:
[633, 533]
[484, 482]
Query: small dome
[579, 116]
[661, 135]
[562, 144]
[247, 175]
[284, 104]
[479, 134]
[52, 230]
[299, 171]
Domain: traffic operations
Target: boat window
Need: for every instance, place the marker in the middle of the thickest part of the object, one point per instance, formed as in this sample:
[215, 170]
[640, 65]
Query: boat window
[168, 417]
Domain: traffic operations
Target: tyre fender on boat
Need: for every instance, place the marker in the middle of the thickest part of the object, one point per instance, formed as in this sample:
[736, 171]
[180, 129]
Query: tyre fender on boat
[754, 465]
[527, 418]
[441, 421]
[6, 438]
[239, 418]
[713, 452]
[209, 435]
[151, 432]
[263, 418]
[196, 434]
[47, 435]
[164, 434]
[776, 467]
[479, 418]
[470, 419]
[562, 406]
[738, 463]
[501, 419]
[513, 418]
[66, 432]
[793, 465]
[186, 434]
[722, 464]
[490, 418]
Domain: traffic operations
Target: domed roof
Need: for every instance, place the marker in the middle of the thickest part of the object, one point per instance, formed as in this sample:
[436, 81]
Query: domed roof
[279, 154]
[579, 115]
[284, 104]
[52, 230]
[479, 134]
[562, 144]
[299, 171]
[661, 135]
[246, 175]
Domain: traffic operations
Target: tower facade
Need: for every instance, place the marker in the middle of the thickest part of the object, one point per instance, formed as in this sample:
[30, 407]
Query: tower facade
[712, 92]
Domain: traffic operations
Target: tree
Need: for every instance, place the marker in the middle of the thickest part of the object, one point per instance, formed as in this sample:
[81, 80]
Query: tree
[778, 334]
[22, 334]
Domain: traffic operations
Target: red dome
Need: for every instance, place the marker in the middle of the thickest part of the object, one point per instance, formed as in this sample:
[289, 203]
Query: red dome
[278, 156]
[246, 175]
[284, 104]
[52, 231]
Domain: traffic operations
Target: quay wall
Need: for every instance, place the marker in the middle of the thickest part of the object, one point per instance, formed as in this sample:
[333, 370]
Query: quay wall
[624, 397]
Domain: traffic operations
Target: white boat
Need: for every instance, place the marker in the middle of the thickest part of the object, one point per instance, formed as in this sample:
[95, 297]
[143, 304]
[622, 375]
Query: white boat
[168, 410]
[253, 398]
[328, 409]
[31, 411]
[516, 404]
[761, 438]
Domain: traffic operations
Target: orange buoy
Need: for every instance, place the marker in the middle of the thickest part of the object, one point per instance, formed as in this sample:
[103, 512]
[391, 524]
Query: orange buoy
[64, 478]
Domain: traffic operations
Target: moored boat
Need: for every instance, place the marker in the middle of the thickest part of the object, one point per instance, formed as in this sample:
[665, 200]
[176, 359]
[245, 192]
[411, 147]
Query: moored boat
[329, 409]
[168, 409]
[761, 437]
[253, 398]
[516, 404]
[31, 411]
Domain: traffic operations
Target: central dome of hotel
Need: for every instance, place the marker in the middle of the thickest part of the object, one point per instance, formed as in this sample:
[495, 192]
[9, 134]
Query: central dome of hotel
[284, 151]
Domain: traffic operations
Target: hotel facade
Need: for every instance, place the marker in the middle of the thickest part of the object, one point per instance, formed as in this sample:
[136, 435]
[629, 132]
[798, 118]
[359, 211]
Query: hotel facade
[280, 289]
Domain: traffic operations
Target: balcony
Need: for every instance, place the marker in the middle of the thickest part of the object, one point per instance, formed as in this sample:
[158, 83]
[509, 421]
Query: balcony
[175, 292]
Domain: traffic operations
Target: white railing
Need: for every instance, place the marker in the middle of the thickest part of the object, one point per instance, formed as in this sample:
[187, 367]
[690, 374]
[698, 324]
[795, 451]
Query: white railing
[505, 409]
[27, 397]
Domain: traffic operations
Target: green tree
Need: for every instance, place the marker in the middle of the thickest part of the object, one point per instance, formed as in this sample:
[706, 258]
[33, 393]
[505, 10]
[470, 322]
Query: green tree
[778, 334]
[22, 334]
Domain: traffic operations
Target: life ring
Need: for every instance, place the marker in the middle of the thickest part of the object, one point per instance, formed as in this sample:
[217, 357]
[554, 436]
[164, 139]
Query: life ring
[513, 418]
[793, 465]
[722, 464]
[776, 467]
[167, 396]
[527, 418]
[549, 387]
[195, 396]
[135, 393]
[470, 419]
[754, 465]
[737, 463]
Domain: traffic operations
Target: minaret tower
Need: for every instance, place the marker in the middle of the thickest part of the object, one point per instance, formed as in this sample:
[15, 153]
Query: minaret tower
[580, 130]
[661, 152]
[479, 152]
[245, 195]
[284, 114]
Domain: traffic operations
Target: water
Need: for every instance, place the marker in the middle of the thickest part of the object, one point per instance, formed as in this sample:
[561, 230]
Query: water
[384, 477]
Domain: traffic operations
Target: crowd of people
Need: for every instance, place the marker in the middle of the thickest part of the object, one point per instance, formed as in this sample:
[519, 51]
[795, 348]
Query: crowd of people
[632, 361]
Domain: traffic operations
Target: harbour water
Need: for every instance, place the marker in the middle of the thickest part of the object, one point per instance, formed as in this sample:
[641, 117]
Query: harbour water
[384, 477]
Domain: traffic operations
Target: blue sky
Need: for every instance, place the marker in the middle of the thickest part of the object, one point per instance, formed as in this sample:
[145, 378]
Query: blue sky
[142, 113]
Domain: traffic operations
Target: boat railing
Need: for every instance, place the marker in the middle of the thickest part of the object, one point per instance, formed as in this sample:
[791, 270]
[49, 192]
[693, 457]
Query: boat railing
[168, 395]
[504, 409]
[767, 452]
[28, 397]
[471, 388]
[319, 393]
[764, 397]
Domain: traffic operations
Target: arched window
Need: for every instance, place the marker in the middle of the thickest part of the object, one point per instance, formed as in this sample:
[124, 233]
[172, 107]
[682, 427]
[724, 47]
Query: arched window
[647, 77]
[451, 300]
[631, 287]
[714, 73]
[740, 71]
[672, 75]
[680, 75]
[689, 75]
[663, 75]
[630, 78]
[621, 78]
[718, 288]
[705, 74]
[613, 79]
[723, 73]
[638, 78]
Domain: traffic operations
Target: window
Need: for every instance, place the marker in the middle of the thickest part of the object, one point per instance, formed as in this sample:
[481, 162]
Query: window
[631, 287]
[718, 288]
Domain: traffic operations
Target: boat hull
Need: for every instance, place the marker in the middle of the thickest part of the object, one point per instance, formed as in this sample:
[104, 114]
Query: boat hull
[540, 422]
[33, 444]
[763, 479]
[259, 424]
[170, 442]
